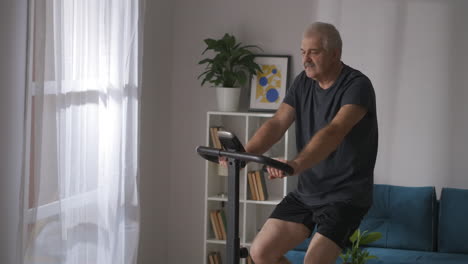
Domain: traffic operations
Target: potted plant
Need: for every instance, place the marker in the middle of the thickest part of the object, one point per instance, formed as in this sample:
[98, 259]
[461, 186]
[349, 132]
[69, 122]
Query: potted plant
[229, 69]
[355, 254]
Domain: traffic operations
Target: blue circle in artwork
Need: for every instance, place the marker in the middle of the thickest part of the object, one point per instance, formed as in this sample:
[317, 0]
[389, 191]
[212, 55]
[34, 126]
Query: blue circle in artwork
[274, 71]
[272, 95]
[263, 81]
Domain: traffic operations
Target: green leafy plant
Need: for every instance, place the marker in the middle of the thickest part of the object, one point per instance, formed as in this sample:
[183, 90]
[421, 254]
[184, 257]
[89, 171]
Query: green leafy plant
[229, 66]
[355, 254]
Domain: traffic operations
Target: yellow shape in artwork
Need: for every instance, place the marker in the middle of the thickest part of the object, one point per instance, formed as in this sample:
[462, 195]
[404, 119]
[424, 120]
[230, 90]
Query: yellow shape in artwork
[269, 79]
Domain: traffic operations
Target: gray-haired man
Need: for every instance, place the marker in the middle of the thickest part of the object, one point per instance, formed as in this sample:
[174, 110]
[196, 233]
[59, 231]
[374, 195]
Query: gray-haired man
[334, 108]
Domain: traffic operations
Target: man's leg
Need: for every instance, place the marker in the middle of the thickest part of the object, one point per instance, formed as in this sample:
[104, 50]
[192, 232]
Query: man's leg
[275, 239]
[322, 250]
[336, 222]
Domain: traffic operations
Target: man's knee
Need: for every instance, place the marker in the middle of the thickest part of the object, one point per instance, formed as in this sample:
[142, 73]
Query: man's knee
[275, 239]
[321, 251]
[262, 255]
[311, 258]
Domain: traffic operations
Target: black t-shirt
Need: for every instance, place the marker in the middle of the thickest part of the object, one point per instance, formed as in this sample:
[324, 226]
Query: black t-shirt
[347, 174]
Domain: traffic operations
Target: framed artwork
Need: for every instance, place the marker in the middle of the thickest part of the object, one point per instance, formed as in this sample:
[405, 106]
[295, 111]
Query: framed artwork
[268, 88]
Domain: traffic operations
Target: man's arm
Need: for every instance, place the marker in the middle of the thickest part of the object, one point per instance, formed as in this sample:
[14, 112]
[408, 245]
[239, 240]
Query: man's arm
[272, 130]
[327, 139]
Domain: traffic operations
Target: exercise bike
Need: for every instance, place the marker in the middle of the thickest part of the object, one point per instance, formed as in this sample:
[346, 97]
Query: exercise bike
[237, 159]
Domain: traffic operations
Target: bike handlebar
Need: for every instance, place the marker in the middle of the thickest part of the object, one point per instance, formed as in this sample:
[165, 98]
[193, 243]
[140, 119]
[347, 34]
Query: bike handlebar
[212, 154]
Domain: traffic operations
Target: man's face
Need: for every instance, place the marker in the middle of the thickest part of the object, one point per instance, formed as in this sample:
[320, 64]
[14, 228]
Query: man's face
[316, 60]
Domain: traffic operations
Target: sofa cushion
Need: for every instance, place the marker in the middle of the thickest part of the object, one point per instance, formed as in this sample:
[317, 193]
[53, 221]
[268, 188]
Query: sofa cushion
[387, 255]
[404, 215]
[304, 245]
[295, 256]
[395, 256]
[453, 230]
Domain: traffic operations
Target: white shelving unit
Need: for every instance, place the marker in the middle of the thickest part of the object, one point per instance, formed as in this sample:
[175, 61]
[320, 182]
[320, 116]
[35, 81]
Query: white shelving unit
[252, 214]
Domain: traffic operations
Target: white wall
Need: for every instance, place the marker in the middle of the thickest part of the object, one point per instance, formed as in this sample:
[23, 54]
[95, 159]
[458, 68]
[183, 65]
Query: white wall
[415, 54]
[155, 134]
[13, 25]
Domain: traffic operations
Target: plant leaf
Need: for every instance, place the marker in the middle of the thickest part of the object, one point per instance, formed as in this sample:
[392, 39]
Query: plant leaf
[205, 61]
[251, 46]
[353, 238]
[231, 63]
[210, 43]
[370, 237]
[357, 254]
[202, 74]
[241, 78]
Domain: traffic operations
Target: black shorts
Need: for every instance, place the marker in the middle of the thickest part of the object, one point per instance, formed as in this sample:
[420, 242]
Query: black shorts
[336, 221]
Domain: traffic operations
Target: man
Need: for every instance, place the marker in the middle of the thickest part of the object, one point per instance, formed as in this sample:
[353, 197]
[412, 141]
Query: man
[336, 133]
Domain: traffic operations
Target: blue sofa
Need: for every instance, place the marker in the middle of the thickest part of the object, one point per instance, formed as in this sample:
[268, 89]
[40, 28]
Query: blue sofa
[415, 226]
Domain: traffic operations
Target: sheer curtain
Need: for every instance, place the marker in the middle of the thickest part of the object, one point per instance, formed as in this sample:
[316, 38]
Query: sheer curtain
[82, 163]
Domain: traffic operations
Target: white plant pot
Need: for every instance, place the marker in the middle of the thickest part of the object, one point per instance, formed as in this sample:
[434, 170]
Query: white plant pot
[228, 98]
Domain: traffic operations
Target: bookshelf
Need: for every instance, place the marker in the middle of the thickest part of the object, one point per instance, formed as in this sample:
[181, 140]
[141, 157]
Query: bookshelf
[252, 213]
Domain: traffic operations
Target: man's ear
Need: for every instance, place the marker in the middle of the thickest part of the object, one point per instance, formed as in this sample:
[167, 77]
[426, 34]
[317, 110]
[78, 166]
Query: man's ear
[336, 54]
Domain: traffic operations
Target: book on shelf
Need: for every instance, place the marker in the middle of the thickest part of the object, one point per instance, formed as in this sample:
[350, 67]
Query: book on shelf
[219, 224]
[254, 179]
[261, 184]
[216, 143]
[253, 194]
[257, 186]
[215, 225]
[214, 258]
[222, 223]
[223, 216]
[214, 137]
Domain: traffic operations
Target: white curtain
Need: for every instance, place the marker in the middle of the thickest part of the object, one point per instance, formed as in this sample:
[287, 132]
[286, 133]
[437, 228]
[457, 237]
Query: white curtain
[82, 162]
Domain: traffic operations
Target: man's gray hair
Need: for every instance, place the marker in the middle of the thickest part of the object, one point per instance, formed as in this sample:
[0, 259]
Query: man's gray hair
[330, 36]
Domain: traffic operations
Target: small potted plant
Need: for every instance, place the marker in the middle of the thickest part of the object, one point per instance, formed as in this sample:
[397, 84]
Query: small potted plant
[355, 254]
[229, 69]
